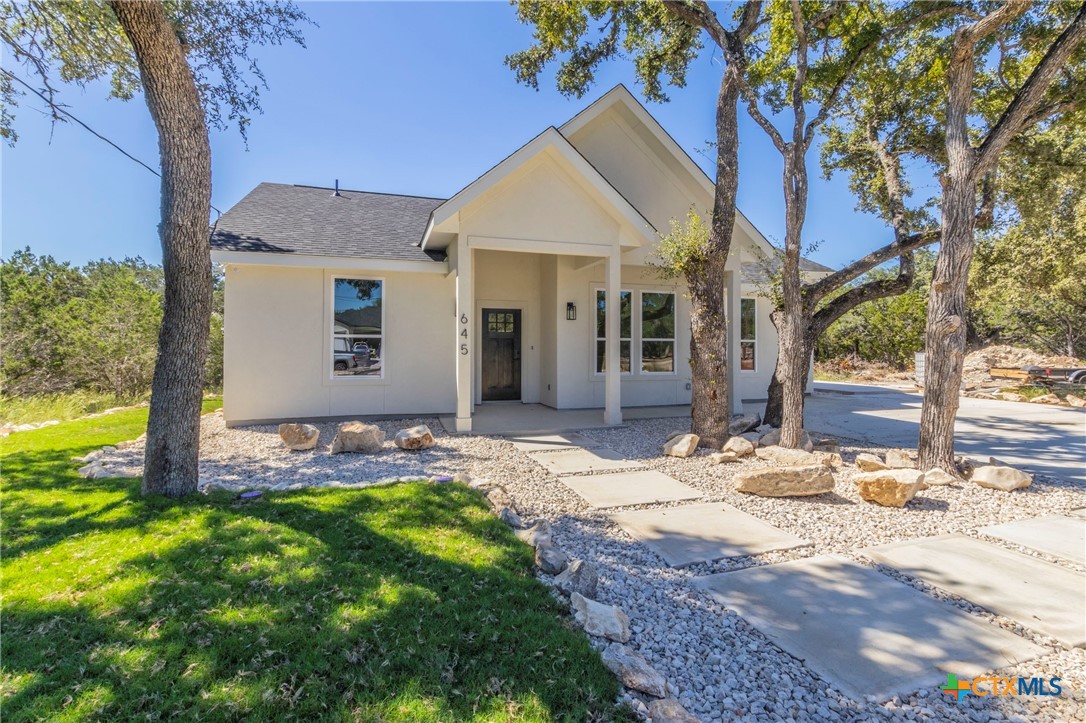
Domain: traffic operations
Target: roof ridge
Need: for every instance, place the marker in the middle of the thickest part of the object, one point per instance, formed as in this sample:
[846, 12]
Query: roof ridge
[354, 190]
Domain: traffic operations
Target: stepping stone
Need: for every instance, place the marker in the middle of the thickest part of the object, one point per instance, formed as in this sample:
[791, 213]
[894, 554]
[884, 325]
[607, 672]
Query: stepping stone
[864, 632]
[545, 442]
[702, 533]
[1038, 594]
[1063, 537]
[578, 461]
[618, 489]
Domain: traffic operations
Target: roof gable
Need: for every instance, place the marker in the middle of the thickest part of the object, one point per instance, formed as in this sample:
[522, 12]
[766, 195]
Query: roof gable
[444, 219]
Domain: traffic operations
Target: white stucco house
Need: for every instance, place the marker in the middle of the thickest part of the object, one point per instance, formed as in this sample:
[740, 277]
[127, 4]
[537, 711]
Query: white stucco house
[349, 304]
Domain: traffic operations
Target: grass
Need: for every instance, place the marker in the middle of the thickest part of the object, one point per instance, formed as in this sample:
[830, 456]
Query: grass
[405, 603]
[61, 407]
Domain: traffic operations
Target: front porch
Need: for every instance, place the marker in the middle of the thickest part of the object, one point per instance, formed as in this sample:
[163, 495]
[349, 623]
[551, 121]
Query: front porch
[512, 418]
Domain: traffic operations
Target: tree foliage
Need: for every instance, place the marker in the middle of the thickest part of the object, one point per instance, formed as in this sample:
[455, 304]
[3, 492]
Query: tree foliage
[79, 42]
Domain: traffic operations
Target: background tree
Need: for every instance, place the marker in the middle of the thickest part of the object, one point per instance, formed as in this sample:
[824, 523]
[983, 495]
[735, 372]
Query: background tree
[662, 38]
[192, 62]
[1024, 64]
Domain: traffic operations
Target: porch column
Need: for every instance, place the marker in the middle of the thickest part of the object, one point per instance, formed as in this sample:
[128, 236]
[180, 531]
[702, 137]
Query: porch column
[465, 323]
[612, 412]
[733, 294]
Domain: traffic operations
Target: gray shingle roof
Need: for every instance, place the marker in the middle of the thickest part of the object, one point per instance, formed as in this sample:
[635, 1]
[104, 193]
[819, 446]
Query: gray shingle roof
[758, 272]
[279, 218]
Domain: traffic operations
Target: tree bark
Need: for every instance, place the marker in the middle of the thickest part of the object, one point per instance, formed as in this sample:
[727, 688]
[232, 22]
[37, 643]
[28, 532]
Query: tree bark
[709, 410]
[173, 427]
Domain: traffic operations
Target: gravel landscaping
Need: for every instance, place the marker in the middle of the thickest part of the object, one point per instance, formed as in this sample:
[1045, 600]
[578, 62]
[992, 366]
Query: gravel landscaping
[719, 667]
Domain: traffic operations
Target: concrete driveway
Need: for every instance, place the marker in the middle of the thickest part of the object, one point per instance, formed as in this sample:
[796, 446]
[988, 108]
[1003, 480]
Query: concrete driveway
[1042, 439]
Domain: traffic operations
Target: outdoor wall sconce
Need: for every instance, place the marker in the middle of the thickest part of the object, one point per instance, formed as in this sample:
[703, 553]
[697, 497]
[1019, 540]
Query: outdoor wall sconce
[571, 311]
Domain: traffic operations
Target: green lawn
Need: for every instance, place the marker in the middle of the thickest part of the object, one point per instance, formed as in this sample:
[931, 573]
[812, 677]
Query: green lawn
[400, 603]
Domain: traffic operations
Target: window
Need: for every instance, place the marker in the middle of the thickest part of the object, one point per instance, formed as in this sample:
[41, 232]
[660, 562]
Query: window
[657, 332]
[625, 329]
[747, 333]
[357, 328]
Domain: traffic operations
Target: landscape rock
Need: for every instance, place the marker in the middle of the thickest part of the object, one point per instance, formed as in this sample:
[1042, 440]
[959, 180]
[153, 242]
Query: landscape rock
[1046, 399]
[550, 559]
[869, 462]
[536, 535]
[1076, 401]
[511, 518]
[1001, 478]
[752, 437]
[605, 621]
[743, 423]
[419, 437]
[676, 433]
[830, 459]
[786, 456]
[774, 438]
[358, 437]
[299, 437]
[669, 710]
[898, 459]
[634, 670]
[764, 429]
[939, 477]
[798, 481]
[738, 446]
[580, 577]
[499, 498]
[681, 446]
[890, 487]
[1013, 397]
[722, 457]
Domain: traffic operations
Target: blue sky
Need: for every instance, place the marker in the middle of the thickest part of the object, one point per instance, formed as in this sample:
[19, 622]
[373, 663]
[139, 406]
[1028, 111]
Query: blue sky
[404, 98]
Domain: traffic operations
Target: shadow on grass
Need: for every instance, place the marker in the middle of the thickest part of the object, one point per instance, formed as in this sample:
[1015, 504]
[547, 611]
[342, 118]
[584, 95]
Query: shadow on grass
[402, 603]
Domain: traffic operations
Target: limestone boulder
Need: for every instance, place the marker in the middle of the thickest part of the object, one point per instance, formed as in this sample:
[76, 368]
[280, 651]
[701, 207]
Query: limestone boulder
[299, 437]
[830, 459]
[738, 446]
[867, 462]
[798, 481]
[937, 477]
[723, 457]
[605, 621]
[774, 438]
[634, 670]
[419, 437]
[669, 710]
[899, 459]
[536, 535]
[752, 437]
[580, 577]
[890, 487]
[1013, 397]
[358, 437]
[786, 456]
[1001, 478]
[499, 498]
[550, 559]
[1076, 401]
[742, 423]
[1046, 399]
[681, 446]
[510, 517]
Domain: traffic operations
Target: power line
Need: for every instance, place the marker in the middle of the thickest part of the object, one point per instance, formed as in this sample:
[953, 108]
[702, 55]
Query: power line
[60, 109]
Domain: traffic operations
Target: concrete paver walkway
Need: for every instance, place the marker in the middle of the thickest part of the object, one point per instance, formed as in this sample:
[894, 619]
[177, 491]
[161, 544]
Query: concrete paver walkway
[703, 533]
[579, 461]
[551, 442]
[861, 631]
[619, 489]
[1037, 594]
[1060, 536]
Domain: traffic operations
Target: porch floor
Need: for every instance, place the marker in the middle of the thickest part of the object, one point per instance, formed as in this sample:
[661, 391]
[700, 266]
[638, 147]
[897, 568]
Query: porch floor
[509, 418]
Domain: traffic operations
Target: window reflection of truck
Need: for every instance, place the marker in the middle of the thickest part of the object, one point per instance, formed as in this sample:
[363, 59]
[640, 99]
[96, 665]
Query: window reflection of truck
[343, 357]
[362, 353]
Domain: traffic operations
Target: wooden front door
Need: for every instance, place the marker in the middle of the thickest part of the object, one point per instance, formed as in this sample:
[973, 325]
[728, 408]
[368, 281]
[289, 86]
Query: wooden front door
[501, 354]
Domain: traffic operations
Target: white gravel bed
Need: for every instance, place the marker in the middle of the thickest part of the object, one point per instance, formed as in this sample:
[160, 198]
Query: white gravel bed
[718, 666]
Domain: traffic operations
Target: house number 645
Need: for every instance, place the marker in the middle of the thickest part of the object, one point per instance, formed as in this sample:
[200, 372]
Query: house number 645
[464, 333]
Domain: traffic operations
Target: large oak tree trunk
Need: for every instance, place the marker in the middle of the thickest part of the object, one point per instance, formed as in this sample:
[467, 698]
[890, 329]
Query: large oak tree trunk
[709, 410]
[173, 428]
[790, 320]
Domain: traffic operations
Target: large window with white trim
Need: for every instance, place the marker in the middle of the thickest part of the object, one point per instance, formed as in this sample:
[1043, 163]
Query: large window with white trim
[657, 332]
[358, 322]
[625, 331]
[748, 334]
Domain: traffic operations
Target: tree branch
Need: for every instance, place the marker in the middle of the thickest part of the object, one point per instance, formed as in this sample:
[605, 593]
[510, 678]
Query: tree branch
[1029, 95]
[870, 291]
[817, 290]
